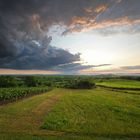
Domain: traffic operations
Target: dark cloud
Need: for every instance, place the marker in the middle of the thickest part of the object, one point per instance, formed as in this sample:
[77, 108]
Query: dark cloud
[24, 25]
[37, 58]
[24, 44]
[124, 29]
[75, 67]
[137, 67]
[126, 8]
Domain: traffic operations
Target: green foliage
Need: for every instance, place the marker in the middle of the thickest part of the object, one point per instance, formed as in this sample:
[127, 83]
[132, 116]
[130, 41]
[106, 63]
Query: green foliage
[64, 81]
[24, 81]
[131, 77]
[31, 81]
[80, 84]
[8, 81]
[15, 93]
[35, 81]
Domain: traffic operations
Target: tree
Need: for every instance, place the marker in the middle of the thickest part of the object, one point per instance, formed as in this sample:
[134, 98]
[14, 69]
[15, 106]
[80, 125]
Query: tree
[30, 81]
[8, 81]
[80, 84]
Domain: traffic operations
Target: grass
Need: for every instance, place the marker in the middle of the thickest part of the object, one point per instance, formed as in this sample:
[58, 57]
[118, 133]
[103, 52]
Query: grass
[96, 113]
[64, 114]
[119, 83]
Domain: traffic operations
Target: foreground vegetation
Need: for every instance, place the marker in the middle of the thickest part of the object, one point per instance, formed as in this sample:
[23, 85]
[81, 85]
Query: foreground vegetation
[66, 114]
[10, 94]
[96, 112]
[73, 110]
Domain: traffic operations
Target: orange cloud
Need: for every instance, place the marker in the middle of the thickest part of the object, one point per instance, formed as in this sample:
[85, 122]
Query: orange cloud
[86, 24]
[79, 20]
[97, 10]
[107, 23]
[101, 8]
[89, 10]
[35, 20]
[22, 72]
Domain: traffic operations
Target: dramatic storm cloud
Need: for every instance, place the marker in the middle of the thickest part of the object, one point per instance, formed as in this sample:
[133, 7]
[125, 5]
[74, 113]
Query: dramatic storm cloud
[24, 43]
[24, 29]
[76, 67]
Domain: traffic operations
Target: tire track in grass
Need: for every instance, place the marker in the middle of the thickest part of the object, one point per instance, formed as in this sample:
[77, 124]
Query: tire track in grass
[45, 107]
[30, 121]
[42, 110]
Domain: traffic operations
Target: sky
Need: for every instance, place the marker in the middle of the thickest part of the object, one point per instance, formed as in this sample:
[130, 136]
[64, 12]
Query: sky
[69, 36]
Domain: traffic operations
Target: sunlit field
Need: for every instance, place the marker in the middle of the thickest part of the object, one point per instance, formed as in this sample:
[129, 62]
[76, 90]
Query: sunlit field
[119, 83]
[99, 113]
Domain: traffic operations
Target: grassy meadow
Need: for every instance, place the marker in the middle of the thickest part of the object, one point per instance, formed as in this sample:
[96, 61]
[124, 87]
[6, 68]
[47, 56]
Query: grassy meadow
[75, 114]
[119, 83]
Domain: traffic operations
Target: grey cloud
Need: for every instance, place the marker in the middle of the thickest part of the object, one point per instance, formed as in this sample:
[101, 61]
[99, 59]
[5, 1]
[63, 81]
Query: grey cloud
[39, 59]
[126, 8]
[137, 67]
[23, 42]
[77, 66]
[124, 29]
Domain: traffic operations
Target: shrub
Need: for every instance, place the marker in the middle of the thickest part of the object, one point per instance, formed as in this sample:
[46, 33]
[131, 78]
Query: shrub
[80, 84]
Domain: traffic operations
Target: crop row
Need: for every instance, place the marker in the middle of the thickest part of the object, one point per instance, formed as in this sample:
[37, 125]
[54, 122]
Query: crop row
[16, 93]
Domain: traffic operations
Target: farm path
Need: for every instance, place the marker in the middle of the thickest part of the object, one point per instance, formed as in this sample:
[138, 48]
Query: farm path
[28, 115]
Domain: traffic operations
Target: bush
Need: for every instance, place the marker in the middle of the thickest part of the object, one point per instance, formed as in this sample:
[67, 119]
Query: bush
[80, 84]
[8, 81]
[15, 93]
[31, 81]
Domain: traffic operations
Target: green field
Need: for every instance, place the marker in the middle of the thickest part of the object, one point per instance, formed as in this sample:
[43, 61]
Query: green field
[119, 83]
[73, 114]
